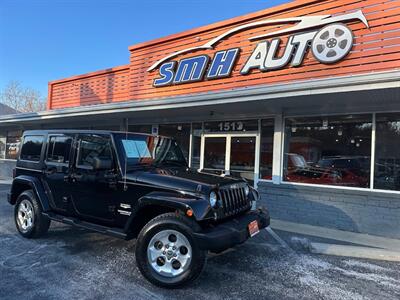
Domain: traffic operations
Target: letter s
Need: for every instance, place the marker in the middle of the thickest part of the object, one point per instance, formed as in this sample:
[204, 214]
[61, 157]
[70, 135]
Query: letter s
[167, 73]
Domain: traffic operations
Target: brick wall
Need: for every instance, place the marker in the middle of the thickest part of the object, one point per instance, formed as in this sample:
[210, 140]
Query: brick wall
[374, 213]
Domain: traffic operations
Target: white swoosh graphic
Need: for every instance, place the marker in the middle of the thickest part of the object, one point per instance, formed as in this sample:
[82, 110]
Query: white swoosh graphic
[302, 23]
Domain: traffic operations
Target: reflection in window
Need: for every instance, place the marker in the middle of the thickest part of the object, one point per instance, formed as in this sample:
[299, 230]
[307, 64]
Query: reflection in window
[3, 141]
[214, 154]
[180, 132]
[266, 151]
[91, 147]
[32, 147]
[59, 149]
[243, 157]
[328, 150]
[387, 155]
[140, 128]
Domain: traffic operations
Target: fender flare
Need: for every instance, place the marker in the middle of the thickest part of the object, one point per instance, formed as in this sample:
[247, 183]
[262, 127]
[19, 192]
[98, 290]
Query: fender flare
[35, 184]
[200, 207]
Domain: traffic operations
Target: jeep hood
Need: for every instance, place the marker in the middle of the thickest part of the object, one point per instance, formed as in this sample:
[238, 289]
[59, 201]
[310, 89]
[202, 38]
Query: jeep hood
[184, 179]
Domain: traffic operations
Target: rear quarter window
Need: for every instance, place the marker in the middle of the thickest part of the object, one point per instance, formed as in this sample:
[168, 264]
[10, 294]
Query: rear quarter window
[32, 147]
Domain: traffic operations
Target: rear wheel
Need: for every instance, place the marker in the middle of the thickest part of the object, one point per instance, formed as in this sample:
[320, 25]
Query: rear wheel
[28, 216]
[166, 252]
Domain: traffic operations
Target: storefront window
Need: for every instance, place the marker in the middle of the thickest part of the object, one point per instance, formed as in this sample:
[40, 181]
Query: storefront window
[266, 151]
[197, 130]
[107, 127]
[387, 155]
[180, 132]
[328, 150]
[3, 141]
[140, 128]
[12, 144]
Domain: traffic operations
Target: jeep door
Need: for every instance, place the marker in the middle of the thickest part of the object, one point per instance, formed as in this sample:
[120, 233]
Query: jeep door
[94, 188]
[57, 168]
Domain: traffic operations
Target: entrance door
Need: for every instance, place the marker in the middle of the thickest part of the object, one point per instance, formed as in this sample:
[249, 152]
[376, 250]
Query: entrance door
[231, 154]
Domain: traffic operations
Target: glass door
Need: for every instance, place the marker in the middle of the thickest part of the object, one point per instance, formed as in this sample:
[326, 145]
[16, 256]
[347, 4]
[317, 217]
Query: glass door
[214, 155]
[243, 157]
[231, 154]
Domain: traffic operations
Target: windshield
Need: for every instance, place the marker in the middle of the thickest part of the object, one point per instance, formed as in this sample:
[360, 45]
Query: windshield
[137, 150]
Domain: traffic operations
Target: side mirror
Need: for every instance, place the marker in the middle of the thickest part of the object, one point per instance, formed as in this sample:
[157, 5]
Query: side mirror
[101, 163]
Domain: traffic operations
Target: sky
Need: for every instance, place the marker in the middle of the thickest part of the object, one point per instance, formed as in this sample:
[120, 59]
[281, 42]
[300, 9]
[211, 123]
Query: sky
[44, 40]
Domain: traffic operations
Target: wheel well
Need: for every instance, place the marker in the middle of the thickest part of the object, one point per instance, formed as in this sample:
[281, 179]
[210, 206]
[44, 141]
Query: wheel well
[18, 189]
[145, 214]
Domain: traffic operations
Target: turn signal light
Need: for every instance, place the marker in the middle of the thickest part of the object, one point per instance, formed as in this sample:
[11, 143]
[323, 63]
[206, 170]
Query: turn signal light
[189, 213]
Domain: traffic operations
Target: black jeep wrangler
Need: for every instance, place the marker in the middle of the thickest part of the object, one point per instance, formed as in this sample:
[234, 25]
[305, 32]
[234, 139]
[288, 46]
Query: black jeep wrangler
[132, 186]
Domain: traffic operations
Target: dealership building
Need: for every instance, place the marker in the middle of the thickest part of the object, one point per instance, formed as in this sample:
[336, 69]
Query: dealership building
[302, 100]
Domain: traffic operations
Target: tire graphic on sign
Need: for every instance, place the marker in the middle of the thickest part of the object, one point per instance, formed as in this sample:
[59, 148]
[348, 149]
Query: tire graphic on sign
[332, 43]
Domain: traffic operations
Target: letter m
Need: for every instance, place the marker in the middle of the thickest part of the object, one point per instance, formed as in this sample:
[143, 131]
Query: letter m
[191, 69]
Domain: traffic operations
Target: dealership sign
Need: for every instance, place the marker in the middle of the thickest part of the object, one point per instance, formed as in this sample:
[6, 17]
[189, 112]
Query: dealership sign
[328, 37]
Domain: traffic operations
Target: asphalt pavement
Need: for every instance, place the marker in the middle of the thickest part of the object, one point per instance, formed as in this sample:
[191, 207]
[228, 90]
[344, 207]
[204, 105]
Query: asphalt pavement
[71, 263]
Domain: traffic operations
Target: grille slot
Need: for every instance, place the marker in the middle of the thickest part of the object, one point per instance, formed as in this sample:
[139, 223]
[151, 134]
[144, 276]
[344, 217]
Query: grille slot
[233, 199]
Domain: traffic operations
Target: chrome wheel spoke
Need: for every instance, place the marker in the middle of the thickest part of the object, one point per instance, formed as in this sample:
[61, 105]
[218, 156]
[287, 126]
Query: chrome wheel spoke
[25, 215]
[168, 261]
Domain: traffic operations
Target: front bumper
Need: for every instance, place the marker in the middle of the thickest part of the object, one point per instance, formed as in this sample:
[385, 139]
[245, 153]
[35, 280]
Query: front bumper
[231, 233]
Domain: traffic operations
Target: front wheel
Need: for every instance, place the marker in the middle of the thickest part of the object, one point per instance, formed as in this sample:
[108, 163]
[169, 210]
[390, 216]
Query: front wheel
[166, 252]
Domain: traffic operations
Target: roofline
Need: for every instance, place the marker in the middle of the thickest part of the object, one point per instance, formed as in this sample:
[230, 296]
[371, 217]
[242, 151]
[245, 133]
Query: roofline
[370, 81]
[91, 74]
[225, 23]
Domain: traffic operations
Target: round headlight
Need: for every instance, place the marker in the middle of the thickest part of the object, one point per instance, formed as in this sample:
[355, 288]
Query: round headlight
[213, 199]
[247, 190]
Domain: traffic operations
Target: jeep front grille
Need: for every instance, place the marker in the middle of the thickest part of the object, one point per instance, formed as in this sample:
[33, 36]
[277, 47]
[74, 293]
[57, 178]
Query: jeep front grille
[233, 199]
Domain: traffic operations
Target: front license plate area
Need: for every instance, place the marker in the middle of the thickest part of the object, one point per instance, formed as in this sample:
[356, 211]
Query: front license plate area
[253, 228]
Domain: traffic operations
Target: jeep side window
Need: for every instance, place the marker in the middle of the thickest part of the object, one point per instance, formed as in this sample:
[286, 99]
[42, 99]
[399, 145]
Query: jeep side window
[32, 148]
[90, 147]
[59, 149]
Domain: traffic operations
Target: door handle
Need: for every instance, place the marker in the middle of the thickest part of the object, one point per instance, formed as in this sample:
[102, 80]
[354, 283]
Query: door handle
[67, 178]
[76, 177]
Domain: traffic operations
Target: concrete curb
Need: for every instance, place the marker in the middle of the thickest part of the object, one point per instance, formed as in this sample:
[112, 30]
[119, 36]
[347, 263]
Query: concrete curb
[339, 235]
[6, 181]
[354, 251]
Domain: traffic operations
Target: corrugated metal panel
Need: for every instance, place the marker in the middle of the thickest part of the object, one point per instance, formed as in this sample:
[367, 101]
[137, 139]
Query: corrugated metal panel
[96, 88]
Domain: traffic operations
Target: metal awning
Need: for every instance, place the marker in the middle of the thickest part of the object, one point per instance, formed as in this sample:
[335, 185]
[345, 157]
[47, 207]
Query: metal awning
[359, 93]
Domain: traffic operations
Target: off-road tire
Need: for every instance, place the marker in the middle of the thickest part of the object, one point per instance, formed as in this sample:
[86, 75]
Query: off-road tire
[40, 223]
[185, 226]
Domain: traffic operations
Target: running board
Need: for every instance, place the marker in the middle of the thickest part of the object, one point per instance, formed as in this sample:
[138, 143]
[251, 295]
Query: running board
[115, 232]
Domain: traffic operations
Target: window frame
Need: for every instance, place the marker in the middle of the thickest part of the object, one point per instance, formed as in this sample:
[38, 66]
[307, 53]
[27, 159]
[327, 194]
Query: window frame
[54, 163]
[78, 139]
[373, 147]
[41, 150]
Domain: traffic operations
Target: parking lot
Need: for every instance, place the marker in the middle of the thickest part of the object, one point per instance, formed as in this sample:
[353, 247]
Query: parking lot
[76, 264]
